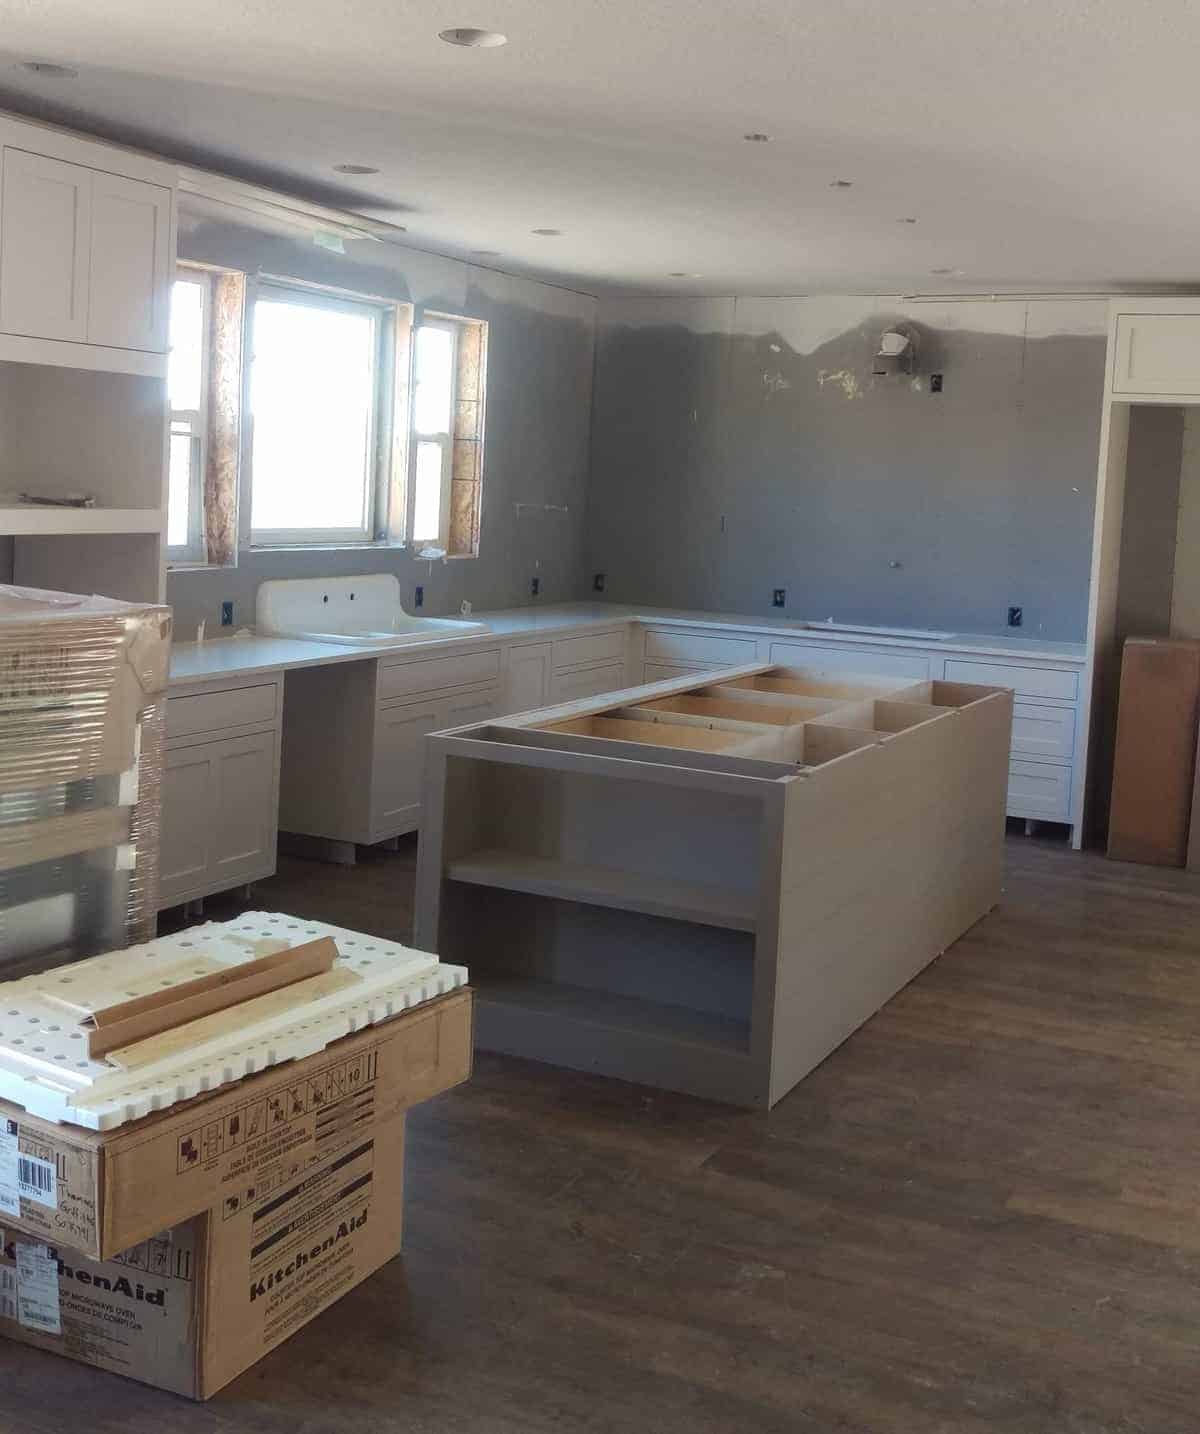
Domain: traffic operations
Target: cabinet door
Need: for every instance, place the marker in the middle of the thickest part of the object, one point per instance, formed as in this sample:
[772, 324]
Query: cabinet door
[1157, 354]
[527, 677]
[399, 767]
[571, 686]
[245, 815]
[45, 233]
[131, 224]
[218, 817]
[186, 831]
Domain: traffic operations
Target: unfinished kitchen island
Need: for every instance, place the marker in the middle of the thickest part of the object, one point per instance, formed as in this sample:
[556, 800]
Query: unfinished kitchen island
[707, 884]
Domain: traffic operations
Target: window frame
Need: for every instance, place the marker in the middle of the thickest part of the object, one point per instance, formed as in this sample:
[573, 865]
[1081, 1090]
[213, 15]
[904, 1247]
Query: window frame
[377, 465]
[445, 440]
[193, 553]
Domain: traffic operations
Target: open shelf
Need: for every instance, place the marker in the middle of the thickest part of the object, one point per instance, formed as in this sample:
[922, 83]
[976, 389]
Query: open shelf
[606, 886]
[582, 1006]
[32, 520]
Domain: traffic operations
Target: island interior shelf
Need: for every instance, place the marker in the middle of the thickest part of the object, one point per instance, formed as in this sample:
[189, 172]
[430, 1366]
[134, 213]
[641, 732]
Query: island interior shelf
[707, 884]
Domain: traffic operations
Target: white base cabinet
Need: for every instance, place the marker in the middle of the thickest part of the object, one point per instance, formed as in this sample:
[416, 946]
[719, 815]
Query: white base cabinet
[220, 792]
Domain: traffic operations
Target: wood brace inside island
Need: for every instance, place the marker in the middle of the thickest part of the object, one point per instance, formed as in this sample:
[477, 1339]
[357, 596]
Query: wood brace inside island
[707, 884]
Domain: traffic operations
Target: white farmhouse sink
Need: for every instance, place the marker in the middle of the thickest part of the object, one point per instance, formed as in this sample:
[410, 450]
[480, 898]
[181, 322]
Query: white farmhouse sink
[355, 612]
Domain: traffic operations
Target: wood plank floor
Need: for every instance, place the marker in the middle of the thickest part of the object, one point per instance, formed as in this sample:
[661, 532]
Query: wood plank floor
[980, 1214]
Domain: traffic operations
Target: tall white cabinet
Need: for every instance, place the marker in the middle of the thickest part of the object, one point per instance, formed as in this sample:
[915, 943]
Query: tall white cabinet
[87, 242]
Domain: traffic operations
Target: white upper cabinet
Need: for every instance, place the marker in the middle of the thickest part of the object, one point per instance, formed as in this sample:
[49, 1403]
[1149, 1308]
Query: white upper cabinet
[45, 235]
[130, 258]
[86, 235]
[1156, 354]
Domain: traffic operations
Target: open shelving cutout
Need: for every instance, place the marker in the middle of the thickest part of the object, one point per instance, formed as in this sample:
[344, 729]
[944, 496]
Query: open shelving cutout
[606, 886]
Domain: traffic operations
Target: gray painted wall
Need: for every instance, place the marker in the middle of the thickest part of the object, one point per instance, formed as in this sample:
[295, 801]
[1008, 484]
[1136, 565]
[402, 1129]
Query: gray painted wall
[540, 360]
[742, 445]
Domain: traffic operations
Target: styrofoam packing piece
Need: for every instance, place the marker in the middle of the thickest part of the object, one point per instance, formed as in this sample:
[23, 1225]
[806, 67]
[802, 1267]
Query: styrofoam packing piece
[43, 1062]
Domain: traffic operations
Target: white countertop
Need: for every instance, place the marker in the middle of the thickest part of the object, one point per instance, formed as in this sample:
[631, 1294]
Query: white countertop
[247, 655]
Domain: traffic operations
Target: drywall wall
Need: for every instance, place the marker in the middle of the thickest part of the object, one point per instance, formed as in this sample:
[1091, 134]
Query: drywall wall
[1185, 596]
[1144, 592]
[540, 359]
[742, 445]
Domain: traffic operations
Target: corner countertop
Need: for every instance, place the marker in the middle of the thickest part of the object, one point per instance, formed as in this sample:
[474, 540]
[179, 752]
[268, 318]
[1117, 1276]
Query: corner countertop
[249, 655]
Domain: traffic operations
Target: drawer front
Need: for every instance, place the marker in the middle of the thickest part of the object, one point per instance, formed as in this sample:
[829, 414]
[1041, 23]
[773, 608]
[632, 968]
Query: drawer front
[592, 682]
[661, 671]
[1024, 681]
[595, 647]
[1046, 732]
[1037, 789]
[1157, 353]
[850, 659]
[432, 674]
[666, 643]
[219, 711]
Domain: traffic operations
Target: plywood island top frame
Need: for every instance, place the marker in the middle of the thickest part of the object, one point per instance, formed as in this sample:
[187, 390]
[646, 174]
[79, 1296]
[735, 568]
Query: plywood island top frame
[708, 883]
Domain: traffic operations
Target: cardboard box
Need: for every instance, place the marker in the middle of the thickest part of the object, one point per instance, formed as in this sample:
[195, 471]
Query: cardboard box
[1153, 770]
[276, 1195]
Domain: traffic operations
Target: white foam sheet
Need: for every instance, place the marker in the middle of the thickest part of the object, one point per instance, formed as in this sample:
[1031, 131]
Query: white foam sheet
[44, 1065]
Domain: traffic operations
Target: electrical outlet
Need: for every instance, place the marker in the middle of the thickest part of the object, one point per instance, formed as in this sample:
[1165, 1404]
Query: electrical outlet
[226, 614]
[418, 596]
[935, 383]
[779, 597]
[535, 586]
[1015, 617]
[598, 583]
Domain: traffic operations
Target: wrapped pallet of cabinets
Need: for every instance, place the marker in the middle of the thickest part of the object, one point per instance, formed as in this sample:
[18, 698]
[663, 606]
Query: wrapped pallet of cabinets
[82, 700]
[710, 882]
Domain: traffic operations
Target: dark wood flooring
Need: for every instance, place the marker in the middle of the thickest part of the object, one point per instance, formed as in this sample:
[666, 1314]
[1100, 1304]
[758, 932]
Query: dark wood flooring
[980, 1214]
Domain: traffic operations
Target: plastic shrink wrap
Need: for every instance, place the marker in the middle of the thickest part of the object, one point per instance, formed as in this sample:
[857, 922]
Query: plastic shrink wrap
[82, 714]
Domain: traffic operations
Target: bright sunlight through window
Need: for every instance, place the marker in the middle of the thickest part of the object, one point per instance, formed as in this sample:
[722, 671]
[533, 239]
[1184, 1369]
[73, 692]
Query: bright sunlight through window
[186, 388]
[314, 398]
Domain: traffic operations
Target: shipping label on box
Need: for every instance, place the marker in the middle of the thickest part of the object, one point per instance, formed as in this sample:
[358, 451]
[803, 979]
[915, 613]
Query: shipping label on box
[48, 1183]
[135, 1315]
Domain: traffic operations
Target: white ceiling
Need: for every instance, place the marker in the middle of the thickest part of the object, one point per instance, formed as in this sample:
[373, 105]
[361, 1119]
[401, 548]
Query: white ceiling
[1044, 144]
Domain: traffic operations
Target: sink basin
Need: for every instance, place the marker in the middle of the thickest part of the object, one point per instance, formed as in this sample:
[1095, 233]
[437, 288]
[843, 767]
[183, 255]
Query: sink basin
[921, 634]
[353, 612]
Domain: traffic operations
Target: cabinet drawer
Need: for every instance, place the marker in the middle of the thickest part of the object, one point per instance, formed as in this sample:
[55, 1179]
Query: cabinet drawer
[432, 674]
[1037, 789]
[868, 662]
[595, 647]
[1047, 732]
[592, 682]
[661, 671]
[665, 642]
[1157, 353]
[1024, 681]
[218, 711]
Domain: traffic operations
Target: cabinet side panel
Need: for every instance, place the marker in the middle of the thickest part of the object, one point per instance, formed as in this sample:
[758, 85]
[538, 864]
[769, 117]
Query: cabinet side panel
[889, 856]
[327, 752]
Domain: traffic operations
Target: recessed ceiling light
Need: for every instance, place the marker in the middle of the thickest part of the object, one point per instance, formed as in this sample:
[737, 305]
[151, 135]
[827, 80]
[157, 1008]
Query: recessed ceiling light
[757, 137]
[473, 39]
[547, 233]
[355, 169]
[683, 274]
[841, 184]
[946, 270]
[49, 71]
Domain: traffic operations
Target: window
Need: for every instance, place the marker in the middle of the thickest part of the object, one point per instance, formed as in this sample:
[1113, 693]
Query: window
[187, 387]
[365, 428]
[321, 408]
[447, 432]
